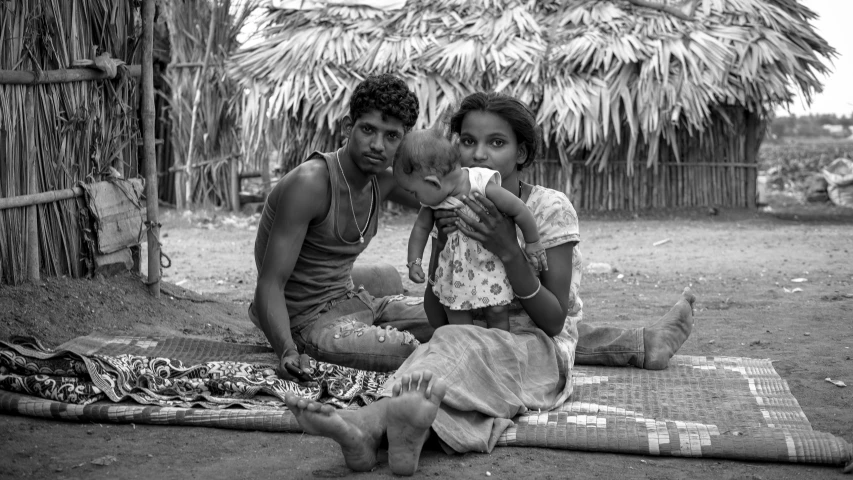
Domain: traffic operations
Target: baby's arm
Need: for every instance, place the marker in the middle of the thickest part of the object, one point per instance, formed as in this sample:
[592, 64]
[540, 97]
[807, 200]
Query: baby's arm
[417, 243]
[514, 207]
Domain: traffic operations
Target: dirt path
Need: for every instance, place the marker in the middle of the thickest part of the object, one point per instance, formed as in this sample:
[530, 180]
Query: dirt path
[740, 265]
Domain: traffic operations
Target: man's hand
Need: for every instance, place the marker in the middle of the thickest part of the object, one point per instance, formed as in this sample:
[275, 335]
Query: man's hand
[295, 367]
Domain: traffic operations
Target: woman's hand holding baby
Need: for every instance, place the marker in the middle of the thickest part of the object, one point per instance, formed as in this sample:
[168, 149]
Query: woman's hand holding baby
[494, 230]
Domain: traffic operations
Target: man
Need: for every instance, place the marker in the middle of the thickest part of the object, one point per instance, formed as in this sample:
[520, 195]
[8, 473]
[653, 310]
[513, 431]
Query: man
[315, 223]
[322, 215]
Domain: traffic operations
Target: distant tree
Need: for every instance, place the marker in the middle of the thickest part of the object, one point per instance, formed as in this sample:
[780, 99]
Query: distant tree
[809, 125]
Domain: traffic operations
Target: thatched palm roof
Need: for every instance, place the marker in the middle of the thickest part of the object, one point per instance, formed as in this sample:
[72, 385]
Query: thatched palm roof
[598, 72]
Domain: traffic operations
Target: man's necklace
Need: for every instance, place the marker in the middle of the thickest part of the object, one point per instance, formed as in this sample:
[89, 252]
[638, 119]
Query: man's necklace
[349, 191]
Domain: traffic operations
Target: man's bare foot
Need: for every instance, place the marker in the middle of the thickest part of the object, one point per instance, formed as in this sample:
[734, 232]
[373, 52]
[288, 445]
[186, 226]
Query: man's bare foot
[664, 338]
[409, 415]
[357, 431]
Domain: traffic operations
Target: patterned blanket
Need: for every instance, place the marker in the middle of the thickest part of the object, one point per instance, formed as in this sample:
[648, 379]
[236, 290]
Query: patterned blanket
[27, 366]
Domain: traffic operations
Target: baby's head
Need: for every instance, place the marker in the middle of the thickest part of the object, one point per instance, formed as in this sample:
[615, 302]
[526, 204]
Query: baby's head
[422, 164]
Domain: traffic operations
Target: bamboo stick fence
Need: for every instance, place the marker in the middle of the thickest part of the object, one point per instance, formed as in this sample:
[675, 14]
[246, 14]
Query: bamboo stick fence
[60, 127]
[716, 168]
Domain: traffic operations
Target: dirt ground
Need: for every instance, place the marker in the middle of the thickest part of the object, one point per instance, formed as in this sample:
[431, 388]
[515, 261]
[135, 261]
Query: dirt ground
[741, 265]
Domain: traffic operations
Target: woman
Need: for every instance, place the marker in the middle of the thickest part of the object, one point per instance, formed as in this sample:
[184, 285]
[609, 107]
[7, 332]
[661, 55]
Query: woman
[465, 385]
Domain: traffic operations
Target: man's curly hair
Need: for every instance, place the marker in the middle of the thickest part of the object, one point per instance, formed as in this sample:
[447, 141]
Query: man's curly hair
[388, 94]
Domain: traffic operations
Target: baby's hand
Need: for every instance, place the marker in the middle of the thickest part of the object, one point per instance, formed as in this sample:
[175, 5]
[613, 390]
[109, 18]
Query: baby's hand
[416, 274]
[536, 255]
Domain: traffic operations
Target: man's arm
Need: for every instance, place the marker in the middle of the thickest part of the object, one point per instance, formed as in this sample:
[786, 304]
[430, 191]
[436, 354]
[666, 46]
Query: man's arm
[389, 190]
[296, 207]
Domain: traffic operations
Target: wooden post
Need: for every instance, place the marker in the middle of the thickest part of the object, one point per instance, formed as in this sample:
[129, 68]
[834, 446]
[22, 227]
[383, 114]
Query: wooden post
[26, 77]
[266, 181]
[753, 123]
[33, 271]
[235, 183]
[39, 198]
[151, 199]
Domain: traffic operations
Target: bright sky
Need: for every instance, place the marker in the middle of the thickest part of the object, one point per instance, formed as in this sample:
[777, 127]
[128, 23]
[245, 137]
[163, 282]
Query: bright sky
[834, 25]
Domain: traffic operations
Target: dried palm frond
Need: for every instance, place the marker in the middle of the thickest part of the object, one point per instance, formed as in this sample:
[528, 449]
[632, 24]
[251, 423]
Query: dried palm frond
[662, 75]
[301, 76]
[604, 76]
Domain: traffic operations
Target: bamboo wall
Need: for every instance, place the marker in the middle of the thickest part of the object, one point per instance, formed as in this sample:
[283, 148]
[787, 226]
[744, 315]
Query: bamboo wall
[53, 136]
[666, 186]
[204, 103]
[717, 168]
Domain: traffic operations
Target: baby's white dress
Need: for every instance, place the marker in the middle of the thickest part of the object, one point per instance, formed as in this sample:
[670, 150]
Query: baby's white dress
[469, 276]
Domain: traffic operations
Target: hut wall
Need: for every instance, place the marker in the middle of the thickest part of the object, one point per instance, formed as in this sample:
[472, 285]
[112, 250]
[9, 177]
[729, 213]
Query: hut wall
[716, 168]
[53, 136]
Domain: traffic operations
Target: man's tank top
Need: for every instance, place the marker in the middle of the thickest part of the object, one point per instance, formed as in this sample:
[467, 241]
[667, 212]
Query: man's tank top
[322, 270]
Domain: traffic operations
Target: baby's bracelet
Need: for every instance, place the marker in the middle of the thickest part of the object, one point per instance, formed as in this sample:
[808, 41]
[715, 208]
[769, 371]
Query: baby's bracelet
[416, 261]
[535, 292]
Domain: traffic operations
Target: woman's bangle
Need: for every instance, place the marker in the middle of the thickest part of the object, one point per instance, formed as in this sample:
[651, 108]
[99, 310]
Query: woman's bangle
[535, 292]
[431, 281]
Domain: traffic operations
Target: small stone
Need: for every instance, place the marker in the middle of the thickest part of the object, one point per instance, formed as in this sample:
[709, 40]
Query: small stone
[807, 334]
[104, 461]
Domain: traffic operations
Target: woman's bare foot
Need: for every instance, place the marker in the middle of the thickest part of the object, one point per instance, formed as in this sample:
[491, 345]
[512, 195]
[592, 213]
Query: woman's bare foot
[409, 415]
[665, 337]
[357, 431]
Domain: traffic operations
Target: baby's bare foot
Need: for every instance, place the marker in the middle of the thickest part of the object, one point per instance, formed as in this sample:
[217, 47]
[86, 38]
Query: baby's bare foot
[409, 415]
[358, 432]
[664, 338]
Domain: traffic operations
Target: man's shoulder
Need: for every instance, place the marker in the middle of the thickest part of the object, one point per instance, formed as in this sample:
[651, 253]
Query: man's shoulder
[302, 187]
[312, 174]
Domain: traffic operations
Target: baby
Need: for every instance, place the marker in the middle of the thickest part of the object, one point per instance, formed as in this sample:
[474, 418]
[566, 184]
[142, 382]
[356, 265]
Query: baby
[427, 165]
